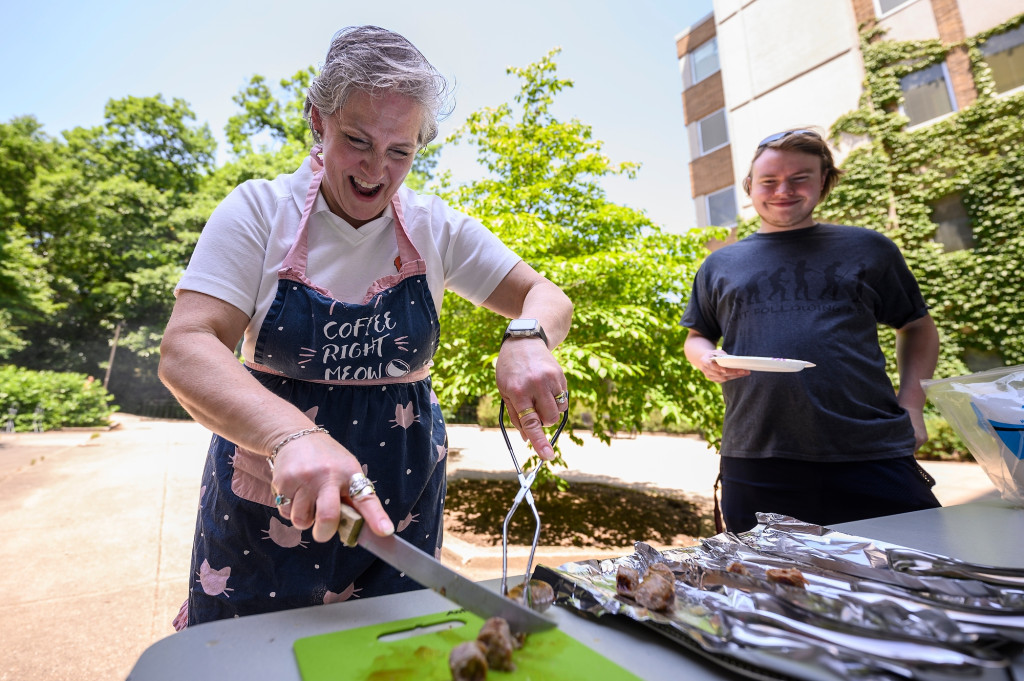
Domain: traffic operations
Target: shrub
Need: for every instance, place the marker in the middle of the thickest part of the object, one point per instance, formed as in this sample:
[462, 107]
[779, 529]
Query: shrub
[53, 399]
[944, 444]
[657, 423]
[487, 412]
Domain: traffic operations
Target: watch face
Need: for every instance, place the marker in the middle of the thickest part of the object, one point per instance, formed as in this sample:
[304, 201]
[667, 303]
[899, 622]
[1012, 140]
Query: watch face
[520, 325]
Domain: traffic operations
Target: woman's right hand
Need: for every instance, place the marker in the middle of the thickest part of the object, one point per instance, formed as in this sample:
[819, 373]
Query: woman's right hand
[314, 471]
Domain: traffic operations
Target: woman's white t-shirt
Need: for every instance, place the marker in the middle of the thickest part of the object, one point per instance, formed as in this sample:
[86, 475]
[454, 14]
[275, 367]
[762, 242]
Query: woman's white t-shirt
[244, 243]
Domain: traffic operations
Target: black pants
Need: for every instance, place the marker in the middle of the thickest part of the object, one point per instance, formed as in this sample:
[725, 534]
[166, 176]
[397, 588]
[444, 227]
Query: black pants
[822, 493]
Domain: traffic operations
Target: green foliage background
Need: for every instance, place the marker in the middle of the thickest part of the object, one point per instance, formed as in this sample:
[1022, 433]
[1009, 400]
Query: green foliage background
[96, 228]
[542, 195]
[105, 219]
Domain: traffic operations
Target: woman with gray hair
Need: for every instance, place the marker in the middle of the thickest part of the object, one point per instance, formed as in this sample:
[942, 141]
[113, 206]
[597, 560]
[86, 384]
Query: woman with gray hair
[332, 278]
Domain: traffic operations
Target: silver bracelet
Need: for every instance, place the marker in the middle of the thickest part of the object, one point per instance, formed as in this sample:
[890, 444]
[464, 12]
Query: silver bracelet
[294, 436]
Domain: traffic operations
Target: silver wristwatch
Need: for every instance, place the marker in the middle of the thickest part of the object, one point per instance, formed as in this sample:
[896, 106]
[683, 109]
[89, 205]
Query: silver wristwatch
[524, 328]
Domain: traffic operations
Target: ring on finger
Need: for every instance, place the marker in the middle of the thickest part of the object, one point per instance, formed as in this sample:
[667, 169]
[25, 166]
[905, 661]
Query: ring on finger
[562, 397]
[360, 486]
[281, 500]
[528, 410]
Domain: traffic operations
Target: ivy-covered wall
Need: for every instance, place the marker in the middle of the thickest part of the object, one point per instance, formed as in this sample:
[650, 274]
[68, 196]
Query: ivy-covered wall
[894, 180]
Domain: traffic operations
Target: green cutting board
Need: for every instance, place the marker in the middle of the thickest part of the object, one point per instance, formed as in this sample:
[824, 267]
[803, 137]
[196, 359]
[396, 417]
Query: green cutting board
[375, 652]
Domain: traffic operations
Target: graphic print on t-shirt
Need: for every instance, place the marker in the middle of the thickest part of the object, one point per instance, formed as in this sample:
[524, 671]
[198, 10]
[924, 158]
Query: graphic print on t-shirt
[799, 286]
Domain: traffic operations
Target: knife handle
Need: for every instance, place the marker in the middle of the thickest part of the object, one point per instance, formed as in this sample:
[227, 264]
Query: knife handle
[350, 525]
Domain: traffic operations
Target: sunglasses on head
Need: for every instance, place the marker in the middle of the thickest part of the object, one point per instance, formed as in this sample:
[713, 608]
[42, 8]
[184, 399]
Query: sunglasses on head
[779, 135]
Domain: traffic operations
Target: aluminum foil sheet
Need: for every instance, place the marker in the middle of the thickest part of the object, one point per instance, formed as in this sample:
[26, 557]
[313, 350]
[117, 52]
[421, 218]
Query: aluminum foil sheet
[867, 610]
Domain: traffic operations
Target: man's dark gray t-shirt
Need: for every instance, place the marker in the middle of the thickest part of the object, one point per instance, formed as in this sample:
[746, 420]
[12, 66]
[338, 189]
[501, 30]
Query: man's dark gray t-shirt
[816, 294]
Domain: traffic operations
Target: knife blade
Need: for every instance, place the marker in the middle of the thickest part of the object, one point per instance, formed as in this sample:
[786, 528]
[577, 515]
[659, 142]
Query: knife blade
[432, 574]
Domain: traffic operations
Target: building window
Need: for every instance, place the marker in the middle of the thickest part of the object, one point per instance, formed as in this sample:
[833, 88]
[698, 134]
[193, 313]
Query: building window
[721, 207]
[952, 224]
[926, 94]
[712, 132]
[886, 6]
[1004, 54]
[704, 60]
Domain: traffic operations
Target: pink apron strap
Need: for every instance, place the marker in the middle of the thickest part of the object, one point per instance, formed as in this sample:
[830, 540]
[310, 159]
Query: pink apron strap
[406, 250]
[298, 254]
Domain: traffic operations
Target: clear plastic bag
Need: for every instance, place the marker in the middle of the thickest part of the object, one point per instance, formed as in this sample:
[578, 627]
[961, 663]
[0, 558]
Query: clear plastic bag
[987, 410]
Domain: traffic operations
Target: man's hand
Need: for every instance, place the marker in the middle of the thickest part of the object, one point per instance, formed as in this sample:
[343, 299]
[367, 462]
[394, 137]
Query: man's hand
[701, 353]
[715, 371]
[920, 430]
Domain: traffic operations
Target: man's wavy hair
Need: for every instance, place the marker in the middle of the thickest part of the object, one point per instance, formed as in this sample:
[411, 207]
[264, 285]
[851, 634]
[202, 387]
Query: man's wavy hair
[805, 141]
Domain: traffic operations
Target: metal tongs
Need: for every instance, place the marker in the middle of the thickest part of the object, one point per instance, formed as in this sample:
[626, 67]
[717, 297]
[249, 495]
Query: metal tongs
[525, 482]
[922, 564]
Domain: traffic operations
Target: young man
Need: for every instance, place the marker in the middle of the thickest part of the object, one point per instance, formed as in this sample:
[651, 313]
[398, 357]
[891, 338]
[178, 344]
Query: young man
[834, 442]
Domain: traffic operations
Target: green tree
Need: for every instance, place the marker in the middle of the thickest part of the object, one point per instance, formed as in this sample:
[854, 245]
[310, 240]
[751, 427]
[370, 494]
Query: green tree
[100, 218]
[25, 293]
[627, 278]
[275, 118]
[155, 142]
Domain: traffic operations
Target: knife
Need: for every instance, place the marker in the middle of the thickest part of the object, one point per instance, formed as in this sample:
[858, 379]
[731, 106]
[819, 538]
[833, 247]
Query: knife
[429, 572]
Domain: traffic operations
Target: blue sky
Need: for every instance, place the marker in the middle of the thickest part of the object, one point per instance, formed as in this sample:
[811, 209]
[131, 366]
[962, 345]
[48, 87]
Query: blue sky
[62, 63]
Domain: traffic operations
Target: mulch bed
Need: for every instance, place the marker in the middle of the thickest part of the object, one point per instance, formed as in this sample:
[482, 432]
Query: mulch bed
[586, 515]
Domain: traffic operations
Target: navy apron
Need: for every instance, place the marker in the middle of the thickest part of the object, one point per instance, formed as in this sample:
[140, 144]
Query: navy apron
[361, 371]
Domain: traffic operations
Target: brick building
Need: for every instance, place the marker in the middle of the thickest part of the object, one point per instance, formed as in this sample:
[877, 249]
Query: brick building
[754, 67]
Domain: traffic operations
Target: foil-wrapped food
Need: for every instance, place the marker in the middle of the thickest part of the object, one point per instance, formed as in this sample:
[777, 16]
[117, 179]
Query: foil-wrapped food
[793, 600]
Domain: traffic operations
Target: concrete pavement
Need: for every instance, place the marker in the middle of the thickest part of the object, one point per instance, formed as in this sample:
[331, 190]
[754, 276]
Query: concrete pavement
[96, 529]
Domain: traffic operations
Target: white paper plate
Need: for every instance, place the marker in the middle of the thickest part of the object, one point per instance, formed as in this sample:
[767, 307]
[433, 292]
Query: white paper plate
[762, 363]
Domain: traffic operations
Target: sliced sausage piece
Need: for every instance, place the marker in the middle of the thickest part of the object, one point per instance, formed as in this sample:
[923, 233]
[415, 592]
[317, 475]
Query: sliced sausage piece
[468, 662]
[498, 644]
[787, 576]
[541, 595]
[626, 581]
[656, 592]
